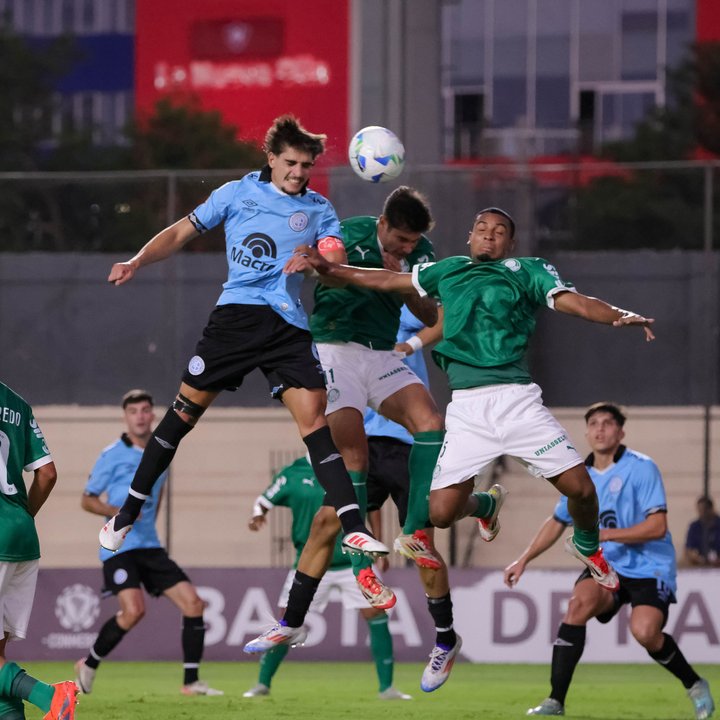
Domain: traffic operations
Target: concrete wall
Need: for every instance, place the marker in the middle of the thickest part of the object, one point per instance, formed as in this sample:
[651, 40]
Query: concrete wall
[227, 460]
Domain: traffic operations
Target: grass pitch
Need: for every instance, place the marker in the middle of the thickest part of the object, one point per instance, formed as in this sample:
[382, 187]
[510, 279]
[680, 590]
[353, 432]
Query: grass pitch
[339, 691]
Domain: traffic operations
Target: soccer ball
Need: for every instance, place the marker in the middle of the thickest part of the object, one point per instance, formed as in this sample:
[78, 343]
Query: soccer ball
[376, 154]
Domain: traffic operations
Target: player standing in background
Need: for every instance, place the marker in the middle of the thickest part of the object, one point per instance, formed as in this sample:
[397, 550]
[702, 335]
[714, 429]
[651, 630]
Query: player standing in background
[636, 541]
[259, 322]
[23, 447]
[490, 300]
[142, 561]
[296, 487]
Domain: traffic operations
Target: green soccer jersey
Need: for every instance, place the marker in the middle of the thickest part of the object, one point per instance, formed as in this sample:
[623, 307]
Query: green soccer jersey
[22, 447]
[489, 315]
[354, 314]
[297, 488]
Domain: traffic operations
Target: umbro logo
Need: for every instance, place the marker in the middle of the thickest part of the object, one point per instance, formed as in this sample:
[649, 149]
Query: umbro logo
[562, 643]
[165, 444]
[330, 458]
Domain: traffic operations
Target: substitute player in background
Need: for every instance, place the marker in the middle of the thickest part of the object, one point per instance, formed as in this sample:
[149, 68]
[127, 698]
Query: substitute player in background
[23, 447]
[259, 322]
[490, 300]
[635, 538]
[142, 561]
[297, 488]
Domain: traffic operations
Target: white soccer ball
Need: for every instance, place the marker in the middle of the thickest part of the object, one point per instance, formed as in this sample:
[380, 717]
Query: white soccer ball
[376, 154]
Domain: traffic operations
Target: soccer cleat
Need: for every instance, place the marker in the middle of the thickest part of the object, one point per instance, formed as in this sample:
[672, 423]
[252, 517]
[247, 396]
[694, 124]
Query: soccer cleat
[437, 671]
[416, 547]
[489, 527]
[549, 706]
[200, 687]
[379, 595]
[63, 702]
[112, 539]
[257, 691]
[702, 701]
[84, 677]
[361, 543]
[599, 568]
[277, 635]
[393, 694]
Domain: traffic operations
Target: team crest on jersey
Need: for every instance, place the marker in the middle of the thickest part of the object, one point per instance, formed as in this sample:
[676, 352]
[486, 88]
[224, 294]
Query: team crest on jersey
[512, 264]
[298, 221]
[196, 365]
[615, 485]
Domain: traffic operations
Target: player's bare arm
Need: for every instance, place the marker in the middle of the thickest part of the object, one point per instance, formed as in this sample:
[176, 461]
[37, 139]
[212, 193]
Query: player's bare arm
[42, 485]
[545, 538]
[426, 336]
[425, 309]
[381, 280]
[596, 310]
[93, 504]
[653, 527]
[163, 245]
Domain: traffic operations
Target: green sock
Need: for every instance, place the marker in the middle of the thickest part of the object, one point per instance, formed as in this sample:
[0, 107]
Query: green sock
[269, 663]
[486, 505]
[358, 477]
[381, 646]
[423, 458]
[587, 541]
[11, 709]
[16, 683]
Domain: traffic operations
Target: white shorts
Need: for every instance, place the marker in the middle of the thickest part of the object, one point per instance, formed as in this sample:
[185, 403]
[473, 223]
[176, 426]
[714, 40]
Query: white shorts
[487, 422]
[17, 593]
[335, 584]
[358, 377]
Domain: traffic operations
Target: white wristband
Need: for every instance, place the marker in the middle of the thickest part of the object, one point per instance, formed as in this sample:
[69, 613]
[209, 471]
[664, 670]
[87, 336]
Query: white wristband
[257, 509]
[414, 342]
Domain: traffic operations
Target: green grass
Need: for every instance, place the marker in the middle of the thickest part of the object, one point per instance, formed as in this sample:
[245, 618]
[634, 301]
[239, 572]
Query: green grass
[315, 691]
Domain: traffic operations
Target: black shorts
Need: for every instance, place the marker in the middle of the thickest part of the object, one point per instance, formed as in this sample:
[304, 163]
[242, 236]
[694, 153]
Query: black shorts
[151, 568]
[240, 338]
[388, 474]
[637, 591]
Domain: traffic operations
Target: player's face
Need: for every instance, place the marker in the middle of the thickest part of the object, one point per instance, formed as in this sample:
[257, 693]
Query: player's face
[395, 242]
[490, 238]
[290, 170]
[603, 432]
[139, 418]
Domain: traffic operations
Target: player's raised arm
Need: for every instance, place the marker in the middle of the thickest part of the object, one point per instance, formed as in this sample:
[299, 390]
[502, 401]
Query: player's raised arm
[596, 310]
[164, 244]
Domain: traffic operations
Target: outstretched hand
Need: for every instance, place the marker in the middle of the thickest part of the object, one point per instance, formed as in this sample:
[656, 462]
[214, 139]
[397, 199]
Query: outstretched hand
[122, 272]
[633, 319]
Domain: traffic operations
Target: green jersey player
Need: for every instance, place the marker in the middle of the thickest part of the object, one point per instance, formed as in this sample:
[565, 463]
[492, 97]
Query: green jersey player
[23, 448]
[297, 488]
[489, 300]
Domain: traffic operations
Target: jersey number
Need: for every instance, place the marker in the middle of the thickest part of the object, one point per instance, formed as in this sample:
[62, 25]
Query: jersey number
[5, 487]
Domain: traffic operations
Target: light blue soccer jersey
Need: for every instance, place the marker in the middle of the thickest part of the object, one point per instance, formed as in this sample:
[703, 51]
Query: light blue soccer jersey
[628, 492]
[112, 474]
[378, 426]
[263, 225]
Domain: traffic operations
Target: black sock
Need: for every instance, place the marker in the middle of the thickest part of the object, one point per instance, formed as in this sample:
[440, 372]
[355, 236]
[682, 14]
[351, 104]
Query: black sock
[442, 614]
[334, 479]
[156, 457]
[107, 640]
[301, 595]
[193, 643]
[567, 651]
[670, 657]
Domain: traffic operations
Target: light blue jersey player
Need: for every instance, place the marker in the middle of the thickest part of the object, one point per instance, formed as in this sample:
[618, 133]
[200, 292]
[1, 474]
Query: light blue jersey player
[635, 539]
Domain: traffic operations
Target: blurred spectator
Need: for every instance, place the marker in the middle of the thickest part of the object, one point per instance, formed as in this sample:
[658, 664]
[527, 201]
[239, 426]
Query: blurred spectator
[702, 546]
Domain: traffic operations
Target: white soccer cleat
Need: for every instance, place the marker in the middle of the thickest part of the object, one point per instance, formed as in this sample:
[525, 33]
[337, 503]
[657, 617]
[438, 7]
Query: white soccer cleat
[378, 594]
[277, 635]
[200, 687]
[393, 694]
[598, 566]
[702, 700]
[84, 677]
[489, 527]
[417, 547]
[361, 543]
[549, 706]
[258, 691]
[437, 671]
[112, 539]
